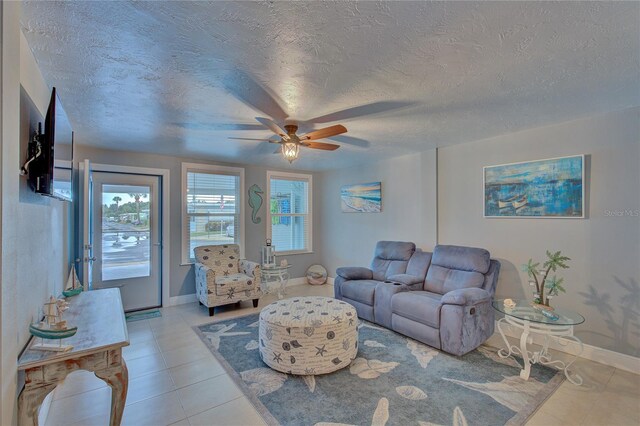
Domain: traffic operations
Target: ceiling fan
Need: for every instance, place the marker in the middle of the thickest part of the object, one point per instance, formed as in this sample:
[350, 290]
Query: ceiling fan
[246, 89]
[290, 142]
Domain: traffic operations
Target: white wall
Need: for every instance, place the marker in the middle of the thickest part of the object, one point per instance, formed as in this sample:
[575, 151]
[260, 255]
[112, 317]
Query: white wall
[603, 282]
[182, 278]
[34, 228]
[408, 210]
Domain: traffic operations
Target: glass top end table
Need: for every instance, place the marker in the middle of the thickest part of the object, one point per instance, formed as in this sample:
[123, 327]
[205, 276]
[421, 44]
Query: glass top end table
[272, 273]
[554, 324]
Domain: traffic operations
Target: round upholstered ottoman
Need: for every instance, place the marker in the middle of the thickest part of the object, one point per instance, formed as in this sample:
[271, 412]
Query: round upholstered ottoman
[308, 335]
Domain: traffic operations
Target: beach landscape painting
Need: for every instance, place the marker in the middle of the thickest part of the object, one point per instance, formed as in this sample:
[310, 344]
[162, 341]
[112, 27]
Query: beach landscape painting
[551, 188]
[362, 198]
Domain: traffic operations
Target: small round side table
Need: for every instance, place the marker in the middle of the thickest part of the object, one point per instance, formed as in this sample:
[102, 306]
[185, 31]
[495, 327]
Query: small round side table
[530, 320]
[273, 273]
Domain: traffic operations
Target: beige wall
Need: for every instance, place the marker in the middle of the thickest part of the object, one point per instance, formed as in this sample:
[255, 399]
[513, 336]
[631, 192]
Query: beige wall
[182, 276]
[603, 280]
[34, 228]
[408, 209]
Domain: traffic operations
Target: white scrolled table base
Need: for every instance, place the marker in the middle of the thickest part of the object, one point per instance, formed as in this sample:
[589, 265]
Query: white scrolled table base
[542, 356]
[282, 277]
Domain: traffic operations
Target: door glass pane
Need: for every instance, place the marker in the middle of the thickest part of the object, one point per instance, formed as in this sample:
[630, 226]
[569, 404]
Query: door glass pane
[126, 243]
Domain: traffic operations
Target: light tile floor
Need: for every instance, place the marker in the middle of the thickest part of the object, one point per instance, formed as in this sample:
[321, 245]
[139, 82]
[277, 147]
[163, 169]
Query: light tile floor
[174, 379]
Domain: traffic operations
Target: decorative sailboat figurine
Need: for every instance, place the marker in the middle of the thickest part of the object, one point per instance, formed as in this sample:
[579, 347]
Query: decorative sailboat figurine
[53, 327]
[74, 286]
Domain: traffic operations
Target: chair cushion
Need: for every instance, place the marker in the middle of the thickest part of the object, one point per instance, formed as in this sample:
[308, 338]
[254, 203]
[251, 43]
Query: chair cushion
[233, 284]
[360, 290]
[222, 259]
[419, 306]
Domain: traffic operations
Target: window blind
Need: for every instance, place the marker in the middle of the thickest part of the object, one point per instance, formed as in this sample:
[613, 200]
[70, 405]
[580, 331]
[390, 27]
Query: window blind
[290, 220]
[212, 209]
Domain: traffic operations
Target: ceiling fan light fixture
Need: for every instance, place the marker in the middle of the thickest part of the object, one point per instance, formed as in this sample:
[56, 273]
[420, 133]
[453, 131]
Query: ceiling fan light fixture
[290, 151]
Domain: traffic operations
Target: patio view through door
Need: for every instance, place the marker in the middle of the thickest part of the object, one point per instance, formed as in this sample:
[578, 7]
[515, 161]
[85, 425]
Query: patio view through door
[127, 247]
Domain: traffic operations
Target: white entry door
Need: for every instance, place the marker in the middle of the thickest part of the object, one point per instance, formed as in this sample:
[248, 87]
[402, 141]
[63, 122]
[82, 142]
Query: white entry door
[127, 237]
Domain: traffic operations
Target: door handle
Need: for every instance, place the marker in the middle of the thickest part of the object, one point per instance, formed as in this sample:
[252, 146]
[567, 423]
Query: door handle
[157, 244]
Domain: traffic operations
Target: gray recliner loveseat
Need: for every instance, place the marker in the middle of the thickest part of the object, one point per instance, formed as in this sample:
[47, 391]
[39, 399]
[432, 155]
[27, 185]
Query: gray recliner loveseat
[442, 299]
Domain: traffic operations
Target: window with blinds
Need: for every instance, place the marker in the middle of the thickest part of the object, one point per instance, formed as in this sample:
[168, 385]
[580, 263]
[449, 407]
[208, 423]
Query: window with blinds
[212, 207]
[289, 217]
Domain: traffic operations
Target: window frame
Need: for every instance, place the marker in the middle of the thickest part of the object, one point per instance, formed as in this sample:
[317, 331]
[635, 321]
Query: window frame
[211, 169]
[291, 176]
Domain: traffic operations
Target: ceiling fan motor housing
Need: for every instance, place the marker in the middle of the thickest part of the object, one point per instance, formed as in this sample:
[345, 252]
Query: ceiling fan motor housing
[291, 131]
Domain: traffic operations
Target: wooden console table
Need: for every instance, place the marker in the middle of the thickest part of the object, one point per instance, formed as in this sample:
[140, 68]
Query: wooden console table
[97, 347]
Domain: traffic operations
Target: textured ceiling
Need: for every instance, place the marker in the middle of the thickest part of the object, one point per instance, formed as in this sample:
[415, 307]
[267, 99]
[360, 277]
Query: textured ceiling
[181, 77]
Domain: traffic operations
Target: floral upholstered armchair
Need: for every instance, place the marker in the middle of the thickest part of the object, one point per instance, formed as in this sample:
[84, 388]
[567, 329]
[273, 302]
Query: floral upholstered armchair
[222, 278]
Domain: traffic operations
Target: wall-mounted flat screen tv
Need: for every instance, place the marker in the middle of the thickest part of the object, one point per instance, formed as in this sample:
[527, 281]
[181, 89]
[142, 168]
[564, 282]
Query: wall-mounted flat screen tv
[51, 171]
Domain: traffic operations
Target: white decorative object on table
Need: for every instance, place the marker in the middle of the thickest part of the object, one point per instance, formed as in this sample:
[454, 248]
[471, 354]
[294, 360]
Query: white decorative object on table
[508, 303]
[525, 317]
[308, 335]
[268, 254]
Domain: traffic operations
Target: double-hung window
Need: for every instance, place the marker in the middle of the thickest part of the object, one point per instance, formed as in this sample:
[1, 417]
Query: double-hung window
[212, 207]
[289, 224]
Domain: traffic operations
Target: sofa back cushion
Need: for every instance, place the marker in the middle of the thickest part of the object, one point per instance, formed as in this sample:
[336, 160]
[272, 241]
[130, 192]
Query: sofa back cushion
[419, 264]
[391, 258]
[223, 259]
[455, 267]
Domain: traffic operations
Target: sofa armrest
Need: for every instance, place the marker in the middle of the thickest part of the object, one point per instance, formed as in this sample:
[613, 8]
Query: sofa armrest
[466, 297]
[382, 303]
[249, 268]
[405, 279]
[354, 273]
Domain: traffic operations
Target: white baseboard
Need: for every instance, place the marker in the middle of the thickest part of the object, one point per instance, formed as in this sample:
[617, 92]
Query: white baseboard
[592, 353]
[190, 298]
[181, 300]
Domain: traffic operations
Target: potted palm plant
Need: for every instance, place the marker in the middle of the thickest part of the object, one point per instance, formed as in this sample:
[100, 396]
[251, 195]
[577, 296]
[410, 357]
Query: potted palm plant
[541, 279]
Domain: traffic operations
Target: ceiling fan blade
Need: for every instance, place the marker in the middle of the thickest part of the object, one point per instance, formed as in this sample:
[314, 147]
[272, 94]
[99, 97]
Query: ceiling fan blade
[327, 132]
[269, 124]
[245, 88]
[321, 145]
[362, 110]
[218, 126]
[351, 141]
[278, 151]
[251, 139]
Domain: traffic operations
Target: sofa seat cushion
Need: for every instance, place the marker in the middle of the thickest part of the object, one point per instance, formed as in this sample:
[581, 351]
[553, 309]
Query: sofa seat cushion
[362, 291]
[419, 306]
[233, 283]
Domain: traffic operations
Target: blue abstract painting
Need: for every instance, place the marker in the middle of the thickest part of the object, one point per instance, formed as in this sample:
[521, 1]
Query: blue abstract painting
[543, 188]
[361, 198]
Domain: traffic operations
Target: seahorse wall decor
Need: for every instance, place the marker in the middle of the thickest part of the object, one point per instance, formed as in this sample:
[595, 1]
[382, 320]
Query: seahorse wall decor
[255, 202]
